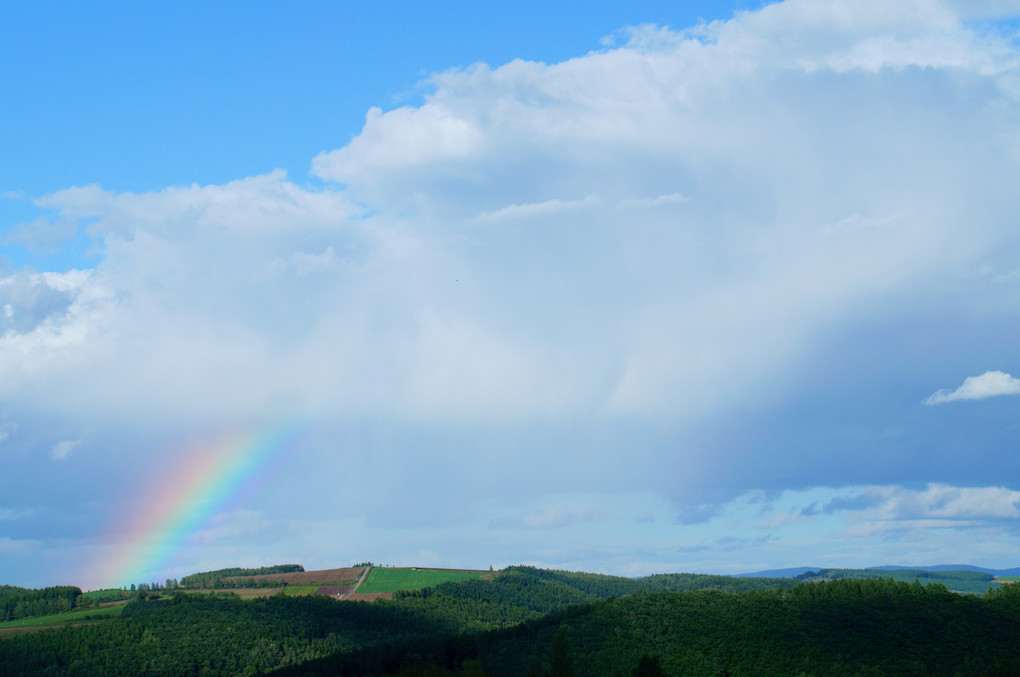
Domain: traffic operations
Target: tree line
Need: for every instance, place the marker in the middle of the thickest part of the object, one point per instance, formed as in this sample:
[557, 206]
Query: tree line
[218, 578]
[961, 580]
[18, 603]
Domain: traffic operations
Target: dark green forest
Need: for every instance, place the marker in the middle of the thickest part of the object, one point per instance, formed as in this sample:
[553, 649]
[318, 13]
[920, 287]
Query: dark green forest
[527, 621]
[959, 581]
[218, 578]
[18, 603]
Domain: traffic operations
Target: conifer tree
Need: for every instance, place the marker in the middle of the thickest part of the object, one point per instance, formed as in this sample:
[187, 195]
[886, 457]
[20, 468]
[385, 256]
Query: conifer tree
[560, 662]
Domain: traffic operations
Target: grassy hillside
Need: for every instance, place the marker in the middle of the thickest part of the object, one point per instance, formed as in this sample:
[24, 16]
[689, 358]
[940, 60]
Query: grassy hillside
[68, 617]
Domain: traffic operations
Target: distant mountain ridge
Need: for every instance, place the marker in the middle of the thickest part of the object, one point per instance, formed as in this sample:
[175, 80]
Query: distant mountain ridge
[1015, 571]
[793, 572]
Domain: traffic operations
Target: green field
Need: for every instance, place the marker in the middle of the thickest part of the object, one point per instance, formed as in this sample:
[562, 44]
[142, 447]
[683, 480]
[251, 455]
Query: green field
[298, 590]
[107, 593]
[385, 579]
[76, 616]
[107, 596]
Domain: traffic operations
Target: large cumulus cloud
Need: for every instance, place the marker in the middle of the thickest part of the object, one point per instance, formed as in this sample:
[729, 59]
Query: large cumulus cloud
[558, 262]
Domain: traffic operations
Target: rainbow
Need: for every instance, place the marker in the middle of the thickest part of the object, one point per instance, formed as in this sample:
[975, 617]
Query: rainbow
[213, 477]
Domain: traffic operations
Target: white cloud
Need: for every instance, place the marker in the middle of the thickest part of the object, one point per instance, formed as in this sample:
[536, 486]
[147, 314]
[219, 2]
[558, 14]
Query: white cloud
[780, 519]
[948, 502]
[43, 234]
[859, 526]
[727, 117]
[303, 263]
[11, 514]
[668, 199]
[940, 502]
[657, 201]
[61, 451]
[29, 300]
[13, 546]
[988, 384]
[587, 267]
[531, 211]
[232, 527]
[7, 429]
[256, 206]
[555, 514]
[401, 138]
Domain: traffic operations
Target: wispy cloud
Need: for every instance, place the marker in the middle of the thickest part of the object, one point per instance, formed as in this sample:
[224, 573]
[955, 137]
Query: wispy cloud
[530, 211]
[7, 429]
[988, 384]
[937, 501]
[43, 234]
[11, 514]
[555, 514]
[61, 451]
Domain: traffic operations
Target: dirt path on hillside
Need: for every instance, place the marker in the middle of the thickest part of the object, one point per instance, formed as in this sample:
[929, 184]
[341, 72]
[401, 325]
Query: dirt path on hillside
[362, 579]
[357, 585]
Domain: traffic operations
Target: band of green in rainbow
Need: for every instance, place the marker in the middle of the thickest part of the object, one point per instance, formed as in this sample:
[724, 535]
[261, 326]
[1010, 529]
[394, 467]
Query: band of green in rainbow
[209, 480]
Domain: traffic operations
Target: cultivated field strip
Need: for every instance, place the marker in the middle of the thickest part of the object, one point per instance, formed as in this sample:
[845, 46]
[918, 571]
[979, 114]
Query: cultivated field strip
[334, 590]
[322, 576]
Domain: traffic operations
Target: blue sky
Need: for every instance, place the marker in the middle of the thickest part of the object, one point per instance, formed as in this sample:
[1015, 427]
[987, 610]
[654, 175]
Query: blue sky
[718, 286]
[137, 99]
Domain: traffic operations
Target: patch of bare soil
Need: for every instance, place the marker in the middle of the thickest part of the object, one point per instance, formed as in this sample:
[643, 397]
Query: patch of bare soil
[307, 577]
[34, 628]
[367, 596]
[334, 590]
[252, 593]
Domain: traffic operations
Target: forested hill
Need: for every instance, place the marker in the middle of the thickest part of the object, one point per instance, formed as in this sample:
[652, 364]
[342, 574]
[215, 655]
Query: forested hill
[599, 586]
[843, 627]
[690, 624]
[961, 580]
[183, 633]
